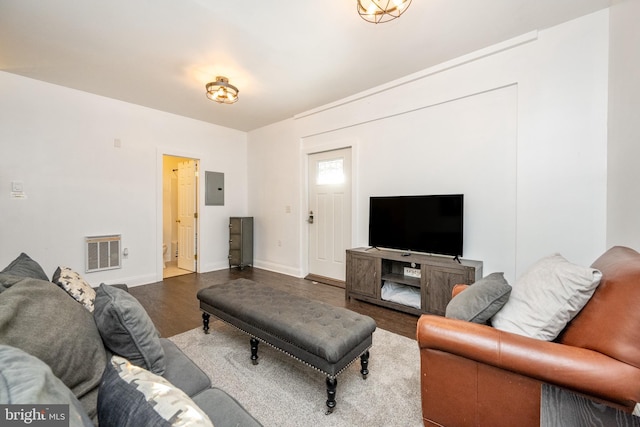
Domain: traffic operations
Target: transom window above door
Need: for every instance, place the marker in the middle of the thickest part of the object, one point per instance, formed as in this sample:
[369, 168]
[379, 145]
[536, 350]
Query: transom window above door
[330, 172]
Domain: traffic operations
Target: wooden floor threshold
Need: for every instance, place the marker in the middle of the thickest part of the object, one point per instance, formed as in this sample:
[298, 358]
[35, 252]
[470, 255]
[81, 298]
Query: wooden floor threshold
[326, 280]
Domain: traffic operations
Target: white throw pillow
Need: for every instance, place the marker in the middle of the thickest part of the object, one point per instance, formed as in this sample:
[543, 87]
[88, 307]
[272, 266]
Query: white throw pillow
[546, 297]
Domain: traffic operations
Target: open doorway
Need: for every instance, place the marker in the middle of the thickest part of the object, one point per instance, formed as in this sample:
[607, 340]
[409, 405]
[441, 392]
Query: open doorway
[179, 215]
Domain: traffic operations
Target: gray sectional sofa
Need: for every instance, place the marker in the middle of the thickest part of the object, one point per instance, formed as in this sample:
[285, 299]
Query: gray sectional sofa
[100, 355]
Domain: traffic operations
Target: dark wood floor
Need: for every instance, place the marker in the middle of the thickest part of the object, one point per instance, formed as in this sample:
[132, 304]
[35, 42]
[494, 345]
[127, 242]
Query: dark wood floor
[173, 306]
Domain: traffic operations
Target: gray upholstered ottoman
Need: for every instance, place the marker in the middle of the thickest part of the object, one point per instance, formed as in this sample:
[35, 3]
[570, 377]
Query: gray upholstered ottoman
[324, 337]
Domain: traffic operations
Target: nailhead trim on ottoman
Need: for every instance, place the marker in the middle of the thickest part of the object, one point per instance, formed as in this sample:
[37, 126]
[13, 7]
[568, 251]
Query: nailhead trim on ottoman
[323, 336]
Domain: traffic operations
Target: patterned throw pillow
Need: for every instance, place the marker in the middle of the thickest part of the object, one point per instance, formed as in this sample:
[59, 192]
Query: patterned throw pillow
[75, 286]
[132, 396]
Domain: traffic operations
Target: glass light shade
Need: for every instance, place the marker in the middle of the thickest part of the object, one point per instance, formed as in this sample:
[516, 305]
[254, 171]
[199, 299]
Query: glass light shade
[221, 91]
[379, 11]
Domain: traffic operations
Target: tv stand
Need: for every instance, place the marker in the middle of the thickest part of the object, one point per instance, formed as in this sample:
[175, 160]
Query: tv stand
[368, 271]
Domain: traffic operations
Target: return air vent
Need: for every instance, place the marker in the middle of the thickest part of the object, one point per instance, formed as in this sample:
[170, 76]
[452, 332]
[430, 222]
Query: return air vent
[102, 252]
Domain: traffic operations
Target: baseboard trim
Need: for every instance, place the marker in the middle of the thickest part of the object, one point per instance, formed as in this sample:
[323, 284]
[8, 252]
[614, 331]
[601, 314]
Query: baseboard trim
[277, 268]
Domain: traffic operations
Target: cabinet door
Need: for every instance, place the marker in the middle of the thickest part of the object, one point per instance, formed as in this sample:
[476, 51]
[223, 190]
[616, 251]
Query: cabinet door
[235, 242]
[235, 257]
[363, 275]
[440, 283]
[235, 225]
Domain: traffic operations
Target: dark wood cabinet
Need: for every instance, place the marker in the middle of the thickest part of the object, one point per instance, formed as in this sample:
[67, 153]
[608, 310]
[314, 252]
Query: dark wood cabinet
[440, 283]
[431, 277]
[362, 274]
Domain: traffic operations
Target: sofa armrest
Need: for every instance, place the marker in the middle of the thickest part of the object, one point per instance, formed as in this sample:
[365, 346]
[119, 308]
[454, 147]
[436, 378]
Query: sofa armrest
[457, 289]
[575, 368]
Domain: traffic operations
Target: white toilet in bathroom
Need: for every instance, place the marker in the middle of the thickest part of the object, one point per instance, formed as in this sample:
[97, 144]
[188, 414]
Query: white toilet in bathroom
[164, 255]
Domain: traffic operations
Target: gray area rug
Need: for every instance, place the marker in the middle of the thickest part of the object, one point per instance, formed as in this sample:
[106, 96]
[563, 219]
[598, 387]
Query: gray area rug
[281, 391]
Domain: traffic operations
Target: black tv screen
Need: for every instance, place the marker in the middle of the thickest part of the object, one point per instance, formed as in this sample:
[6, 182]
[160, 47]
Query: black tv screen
[431, 224]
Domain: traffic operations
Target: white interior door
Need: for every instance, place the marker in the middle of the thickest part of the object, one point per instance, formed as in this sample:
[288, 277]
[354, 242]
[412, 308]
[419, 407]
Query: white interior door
[329, 212]
[187, 205]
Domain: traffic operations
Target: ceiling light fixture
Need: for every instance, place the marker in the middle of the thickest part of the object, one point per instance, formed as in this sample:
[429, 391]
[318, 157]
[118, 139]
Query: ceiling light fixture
[378, 11]
[221, 91]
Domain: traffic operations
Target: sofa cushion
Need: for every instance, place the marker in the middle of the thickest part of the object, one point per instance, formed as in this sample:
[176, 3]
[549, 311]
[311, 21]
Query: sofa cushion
[21, 267]
[132, 396]
[27, 380]
[181, 371]
[546, 297]
[480, 301]
[75, 286]
[609, 323]
[127, 329]
[40, 318]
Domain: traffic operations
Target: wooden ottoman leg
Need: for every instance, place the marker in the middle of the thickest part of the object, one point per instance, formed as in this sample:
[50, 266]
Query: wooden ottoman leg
[254, 350]
[364, 363]
[205, 322]
[332, 384]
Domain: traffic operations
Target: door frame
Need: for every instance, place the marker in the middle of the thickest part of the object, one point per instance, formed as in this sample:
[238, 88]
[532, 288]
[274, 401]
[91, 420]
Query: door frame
[160, 153]
[307, 149]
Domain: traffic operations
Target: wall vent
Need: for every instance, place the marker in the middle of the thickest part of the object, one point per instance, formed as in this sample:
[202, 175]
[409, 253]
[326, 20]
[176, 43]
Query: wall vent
[102, 252]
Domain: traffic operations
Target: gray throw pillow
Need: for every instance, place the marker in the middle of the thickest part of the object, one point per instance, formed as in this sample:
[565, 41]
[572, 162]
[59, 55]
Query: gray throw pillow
[42, 320]
[480, 301]
[127, 329]
[27, 380]
[21, 267]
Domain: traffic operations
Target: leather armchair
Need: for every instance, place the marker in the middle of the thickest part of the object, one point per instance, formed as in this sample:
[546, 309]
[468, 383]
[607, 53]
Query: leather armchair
[475, 375]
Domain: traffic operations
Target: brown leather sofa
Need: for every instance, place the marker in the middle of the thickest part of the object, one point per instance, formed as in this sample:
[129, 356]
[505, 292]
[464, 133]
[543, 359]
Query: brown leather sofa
[475, 375]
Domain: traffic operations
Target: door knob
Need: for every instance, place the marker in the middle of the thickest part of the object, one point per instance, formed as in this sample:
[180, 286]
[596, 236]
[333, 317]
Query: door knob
[310, 220]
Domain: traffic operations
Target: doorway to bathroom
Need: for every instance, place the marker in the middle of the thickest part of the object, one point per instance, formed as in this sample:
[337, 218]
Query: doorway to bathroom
[179, 215]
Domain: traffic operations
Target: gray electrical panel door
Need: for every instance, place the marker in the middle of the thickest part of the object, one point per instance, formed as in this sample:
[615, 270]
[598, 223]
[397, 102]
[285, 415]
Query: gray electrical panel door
[214, 188]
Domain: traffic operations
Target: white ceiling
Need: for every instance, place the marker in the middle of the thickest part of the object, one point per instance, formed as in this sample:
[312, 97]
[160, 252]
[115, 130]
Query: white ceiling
[285, 56]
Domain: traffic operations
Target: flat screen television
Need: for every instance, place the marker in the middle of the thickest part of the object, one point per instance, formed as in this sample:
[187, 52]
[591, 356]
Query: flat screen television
[431, 224]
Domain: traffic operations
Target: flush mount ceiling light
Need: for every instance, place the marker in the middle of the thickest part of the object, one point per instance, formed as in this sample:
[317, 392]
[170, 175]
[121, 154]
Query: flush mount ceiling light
[378, 11]
[221, 91]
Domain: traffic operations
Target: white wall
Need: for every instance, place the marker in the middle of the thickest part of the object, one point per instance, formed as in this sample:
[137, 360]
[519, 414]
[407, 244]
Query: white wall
[464, 146]
[624, 127]
[550, 88]
[60, 144]
[274, 198]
